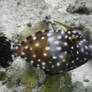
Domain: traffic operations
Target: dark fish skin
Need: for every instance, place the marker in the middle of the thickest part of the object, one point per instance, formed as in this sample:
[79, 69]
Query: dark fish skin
[6, 52]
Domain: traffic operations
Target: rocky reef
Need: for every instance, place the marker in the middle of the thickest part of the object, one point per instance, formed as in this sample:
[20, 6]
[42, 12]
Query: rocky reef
[21, 18]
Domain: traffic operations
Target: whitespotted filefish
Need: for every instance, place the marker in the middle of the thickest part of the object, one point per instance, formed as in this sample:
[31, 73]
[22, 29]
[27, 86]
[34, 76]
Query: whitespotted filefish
[56, 51]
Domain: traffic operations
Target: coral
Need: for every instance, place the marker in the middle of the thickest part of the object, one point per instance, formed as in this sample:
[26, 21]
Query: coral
[27, 90]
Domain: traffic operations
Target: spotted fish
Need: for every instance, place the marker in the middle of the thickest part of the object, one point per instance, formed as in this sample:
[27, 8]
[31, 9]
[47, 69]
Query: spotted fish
[56, 51]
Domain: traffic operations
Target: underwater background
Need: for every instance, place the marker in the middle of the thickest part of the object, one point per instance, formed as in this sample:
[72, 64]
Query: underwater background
[19, 18]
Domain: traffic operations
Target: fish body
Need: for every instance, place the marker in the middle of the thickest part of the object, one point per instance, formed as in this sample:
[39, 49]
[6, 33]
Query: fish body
[55, 51]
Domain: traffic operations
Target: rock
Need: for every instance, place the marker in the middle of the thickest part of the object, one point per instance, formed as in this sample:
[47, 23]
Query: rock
[29, 80]
[27, 90]
[58, 83]
[78, 87]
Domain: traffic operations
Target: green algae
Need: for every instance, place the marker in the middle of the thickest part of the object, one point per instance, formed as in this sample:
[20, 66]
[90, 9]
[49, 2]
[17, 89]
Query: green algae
[2, 76]
[9, 84]
[28, 79]
[27, 90]
[40, 75]
[58, 83]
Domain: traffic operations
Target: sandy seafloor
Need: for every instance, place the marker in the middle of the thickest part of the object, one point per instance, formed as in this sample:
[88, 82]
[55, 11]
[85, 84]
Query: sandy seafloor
[16, 14]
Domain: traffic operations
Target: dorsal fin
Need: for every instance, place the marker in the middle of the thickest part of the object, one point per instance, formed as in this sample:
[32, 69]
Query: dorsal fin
[65, 26]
